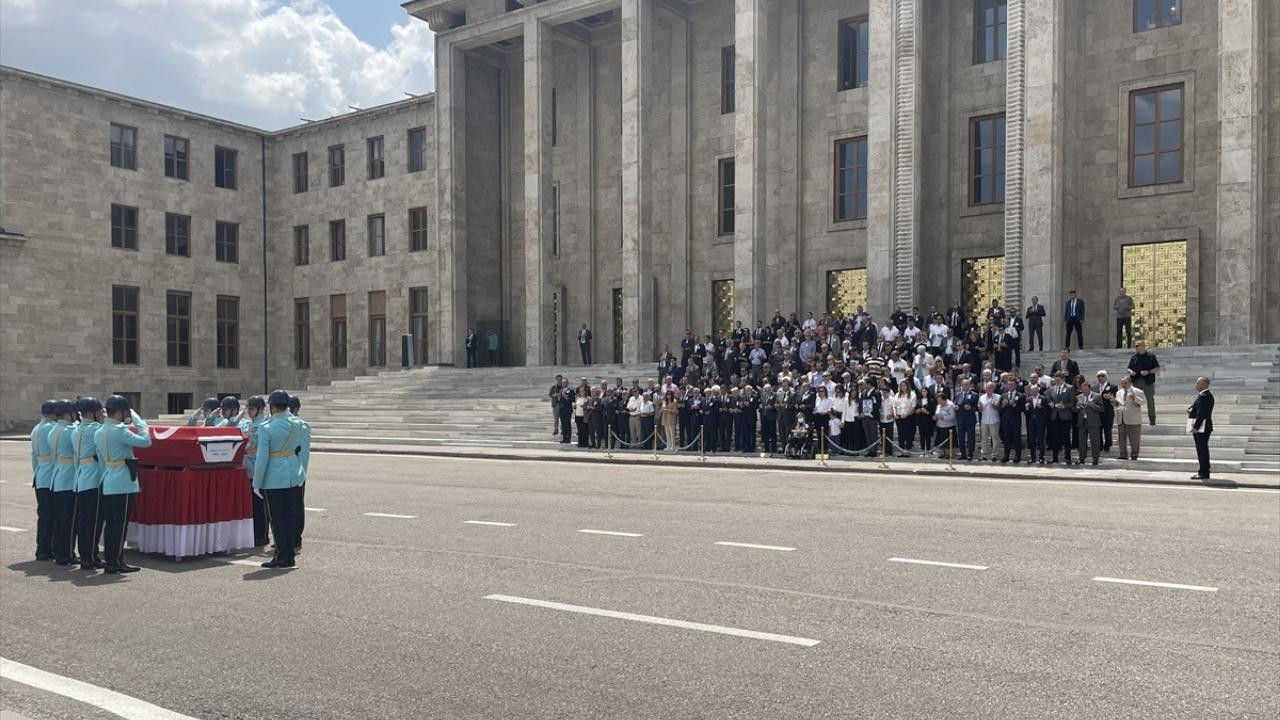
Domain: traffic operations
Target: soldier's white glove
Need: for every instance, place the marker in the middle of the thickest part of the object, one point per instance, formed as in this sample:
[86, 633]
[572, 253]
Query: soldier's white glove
[258, 492]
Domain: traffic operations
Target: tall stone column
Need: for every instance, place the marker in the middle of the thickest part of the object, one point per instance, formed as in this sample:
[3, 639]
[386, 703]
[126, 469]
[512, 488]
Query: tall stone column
[451, 207]
[637, 261]
[750, 186]
[538, 312]
[1239, 260]
[893, 131]
[1034, 258]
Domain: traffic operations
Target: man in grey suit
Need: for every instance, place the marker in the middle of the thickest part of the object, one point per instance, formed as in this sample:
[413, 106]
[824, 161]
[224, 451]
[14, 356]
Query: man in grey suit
[1062, 405]
[1090, 405]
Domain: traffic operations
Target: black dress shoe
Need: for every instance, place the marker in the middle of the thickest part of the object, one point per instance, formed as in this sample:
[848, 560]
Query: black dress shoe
[1199, 477]
[128, 569]
[64, 563]
[88, 566]
[1095, 463]
[43, 558]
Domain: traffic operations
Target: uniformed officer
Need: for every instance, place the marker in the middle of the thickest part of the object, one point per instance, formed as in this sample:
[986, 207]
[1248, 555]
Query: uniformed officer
[207, 414]
[254, 418]
[300, 498]
[278, 472]
[42, 471]
[63, 483]
[116, 442]
[228, 414]
[88, 521]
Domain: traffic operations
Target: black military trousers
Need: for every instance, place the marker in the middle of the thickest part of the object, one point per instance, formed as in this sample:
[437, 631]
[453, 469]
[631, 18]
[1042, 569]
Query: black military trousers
[299, 514]
[769, 433]
[64, 524]
[281, 507]
[88, 525]
[44, 523]
[115, 525]
[261, 536]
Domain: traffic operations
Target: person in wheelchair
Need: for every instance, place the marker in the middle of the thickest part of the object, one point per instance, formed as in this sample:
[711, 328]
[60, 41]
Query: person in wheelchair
[800, 444]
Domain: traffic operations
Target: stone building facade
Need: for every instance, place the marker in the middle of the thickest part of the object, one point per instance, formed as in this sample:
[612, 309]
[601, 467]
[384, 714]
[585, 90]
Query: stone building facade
[646, 166]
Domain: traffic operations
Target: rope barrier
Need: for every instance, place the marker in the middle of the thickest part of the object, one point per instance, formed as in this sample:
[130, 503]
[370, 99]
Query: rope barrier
[686, 447]
[642, 445]
[921, 454]
[846, 451]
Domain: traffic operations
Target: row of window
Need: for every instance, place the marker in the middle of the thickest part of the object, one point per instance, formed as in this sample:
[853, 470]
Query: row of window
[375, 161]
[125, 335]
[177, 234]
[376, 236]
[377, 329]
[177, 156]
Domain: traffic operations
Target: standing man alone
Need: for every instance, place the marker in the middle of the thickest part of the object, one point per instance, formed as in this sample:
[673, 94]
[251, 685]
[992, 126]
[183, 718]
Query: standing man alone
[1035, 324]
[1073, 316]
[1143, 368]
[584, 344]
[1123, 305]
[471, 344]
[1200, 425]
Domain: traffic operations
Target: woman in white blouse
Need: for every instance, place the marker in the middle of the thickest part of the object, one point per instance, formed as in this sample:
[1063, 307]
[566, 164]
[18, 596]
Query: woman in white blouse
[946, 419]
[904, 409]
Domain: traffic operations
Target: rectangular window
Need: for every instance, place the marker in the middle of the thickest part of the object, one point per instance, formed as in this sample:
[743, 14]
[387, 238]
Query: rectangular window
[417, 150]
[224, 167]
[986, 138]
[177, 234]
[417, 229]
[555, 219]
[851, 179]
[300, 172]
[554, 118]
[337, 165]
[338, 330]
[124, 325]
[377, 168]
[228, 309]
[124, 147]
[1155, 136]
[378, 328]
[226, 244]
[418, 323]
[377, 235]
[853, 53]
[989, 30]
[178, 403]
[301, 245]
[301, 333]
[177, 334]
[727, 59]
[1152, 14]
[337, 240]
[124, 227]
[724, 197]
[175, 157]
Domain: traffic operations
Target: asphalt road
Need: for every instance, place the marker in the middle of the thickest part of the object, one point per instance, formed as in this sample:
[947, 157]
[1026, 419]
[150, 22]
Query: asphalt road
[389, 617]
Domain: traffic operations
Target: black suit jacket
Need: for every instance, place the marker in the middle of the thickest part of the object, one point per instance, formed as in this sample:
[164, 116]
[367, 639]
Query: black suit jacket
[1202, 412]
[1068, 315]
[1071, 368]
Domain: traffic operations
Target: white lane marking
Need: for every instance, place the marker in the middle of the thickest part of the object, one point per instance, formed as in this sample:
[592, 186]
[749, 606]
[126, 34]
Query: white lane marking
[101, 698]
[721, 629]
[488, 522]
[246, 563]
[1149, 583]
[6, 528]
[390, 515]
[938, 563]
[1261, 364]
[317, 510]
[754, 546]
[610, 532]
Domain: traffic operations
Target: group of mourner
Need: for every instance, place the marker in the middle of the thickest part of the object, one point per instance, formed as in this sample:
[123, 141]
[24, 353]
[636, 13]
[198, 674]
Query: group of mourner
[919, 385]
[86, 475]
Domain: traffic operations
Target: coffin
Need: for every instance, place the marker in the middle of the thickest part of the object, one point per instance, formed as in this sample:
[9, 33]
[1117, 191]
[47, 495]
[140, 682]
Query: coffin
[184, 446]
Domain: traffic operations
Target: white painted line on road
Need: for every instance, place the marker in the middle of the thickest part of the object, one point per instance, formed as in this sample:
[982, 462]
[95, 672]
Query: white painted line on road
[1261, 363]
[939, 564]
[101, 698]
[390, 515]
[652, 620]
[6, 528]
[246, 563]
[317, 510]
[488, 522]
[1149, 583]
[610, 532]
[754, 546]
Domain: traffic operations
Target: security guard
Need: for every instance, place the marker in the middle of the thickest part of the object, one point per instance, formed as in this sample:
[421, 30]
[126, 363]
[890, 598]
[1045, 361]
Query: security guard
[42, 470]
[278, 473]
[254, 418]
[88, 522]
[207, 414]
[300, 499]
[120, 476]
[63, 483]
[228, 414]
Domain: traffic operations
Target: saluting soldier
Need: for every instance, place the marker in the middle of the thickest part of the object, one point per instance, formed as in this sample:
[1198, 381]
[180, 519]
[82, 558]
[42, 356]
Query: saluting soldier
[88, 521]
[116, 442]
[250, 424]
[207, 414]
[42, 480]
[63, 483]
[278, 473]
[228, 413]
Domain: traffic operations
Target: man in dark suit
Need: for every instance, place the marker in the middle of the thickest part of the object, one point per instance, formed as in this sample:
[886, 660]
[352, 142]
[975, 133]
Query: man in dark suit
[1107, 390]
[1201, 416]
[1073, 316]
[1062, 403]
[1035, 324]
[955, 318]
[472, 345]
[1012, 404]
[584, 344]
[1037, 409]
[1064, 364]
[966, 419]
[1090, 405]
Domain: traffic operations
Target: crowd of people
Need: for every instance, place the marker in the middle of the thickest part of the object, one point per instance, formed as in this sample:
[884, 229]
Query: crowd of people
[932, 384]
[86, 474]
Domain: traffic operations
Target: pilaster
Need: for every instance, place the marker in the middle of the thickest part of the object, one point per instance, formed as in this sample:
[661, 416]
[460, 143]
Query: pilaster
[750, 167]
[637, 263]
[451, 209]
[539, 315]
[1014, 150]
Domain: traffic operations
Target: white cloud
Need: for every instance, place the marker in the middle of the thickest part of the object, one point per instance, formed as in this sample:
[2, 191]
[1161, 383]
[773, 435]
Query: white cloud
[259, 62]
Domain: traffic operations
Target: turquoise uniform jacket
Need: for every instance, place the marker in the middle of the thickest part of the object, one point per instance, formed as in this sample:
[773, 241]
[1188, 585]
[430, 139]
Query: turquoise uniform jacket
[115, 445]
[45, 443]
[250, 428]
[64, 453]
[88, 464]
[284, 445]
[37, 434]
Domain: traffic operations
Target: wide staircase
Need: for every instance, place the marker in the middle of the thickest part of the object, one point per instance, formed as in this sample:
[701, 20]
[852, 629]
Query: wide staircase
[508, 407]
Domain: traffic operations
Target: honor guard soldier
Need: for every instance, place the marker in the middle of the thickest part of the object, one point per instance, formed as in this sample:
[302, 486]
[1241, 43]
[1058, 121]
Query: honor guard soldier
[253, 420]
[63, 483]
[116, 442]
[42, 471]
[300, 511]
[207, 414]
[278, 473]
[88, 522]
[228, 414]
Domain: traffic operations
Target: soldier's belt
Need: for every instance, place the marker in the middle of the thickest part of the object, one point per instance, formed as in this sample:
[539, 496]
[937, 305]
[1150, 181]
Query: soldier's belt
[88, 460]
[64, 461]
[114, 464]
[44, 458]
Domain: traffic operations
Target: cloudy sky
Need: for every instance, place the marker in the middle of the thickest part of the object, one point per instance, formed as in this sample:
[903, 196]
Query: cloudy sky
[264, 63]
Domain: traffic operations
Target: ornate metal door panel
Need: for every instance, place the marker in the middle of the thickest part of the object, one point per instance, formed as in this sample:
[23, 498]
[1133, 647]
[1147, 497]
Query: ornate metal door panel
[981, 281]
[721, 308]
[846, 290]
[1155, 275]
[617, 325]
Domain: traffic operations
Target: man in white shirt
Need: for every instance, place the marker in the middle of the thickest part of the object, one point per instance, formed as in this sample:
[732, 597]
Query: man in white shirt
[898, 367]
[938, 332]
[810, 324]
[889, 333]
[989, 416]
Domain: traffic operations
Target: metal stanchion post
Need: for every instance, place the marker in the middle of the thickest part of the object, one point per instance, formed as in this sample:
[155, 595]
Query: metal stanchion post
[702, 448]
[822, 448]
[884, 449]
[951, 452]
[608, 444]
[655, 442]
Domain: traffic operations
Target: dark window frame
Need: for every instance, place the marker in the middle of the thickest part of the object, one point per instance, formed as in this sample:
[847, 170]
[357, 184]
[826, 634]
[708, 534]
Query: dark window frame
[859, 168]
[177, 234]
[728, 74]
[123, 153]
[1158, 8]
[337, 240]
[226, 165]
[1157, 120]
[853, 53]
[226, 241]
[126, 330]
[982, 52]
[377, 348]
[726, 201]
[417, 157]
[301, 181]
[337, 155]
[177, 160]
[227, 313]
[179, 403]
[377, 242]
[302, 333]
[338, 329]
[124, 234]
[301, 244]
[377, 162]
[423, 317]
[418, 235]
[995, 180]
[177, 332]
[555, 119]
